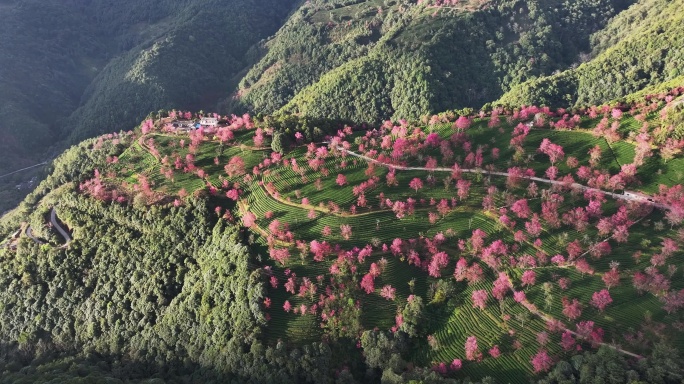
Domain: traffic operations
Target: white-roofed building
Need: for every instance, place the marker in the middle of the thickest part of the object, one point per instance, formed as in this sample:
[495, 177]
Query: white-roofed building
[209, 122]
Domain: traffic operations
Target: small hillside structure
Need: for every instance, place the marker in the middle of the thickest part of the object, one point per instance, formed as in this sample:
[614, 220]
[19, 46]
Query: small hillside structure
[180, 126]
[183, 124]
[209, 122]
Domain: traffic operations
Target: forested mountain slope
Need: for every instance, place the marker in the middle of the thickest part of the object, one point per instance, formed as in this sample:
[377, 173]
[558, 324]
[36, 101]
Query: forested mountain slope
[308, 242]
[640, 47]
[141, 292]
[204, 44]
[370, 60]
[79, 69]
[48, 55]
[70, 70]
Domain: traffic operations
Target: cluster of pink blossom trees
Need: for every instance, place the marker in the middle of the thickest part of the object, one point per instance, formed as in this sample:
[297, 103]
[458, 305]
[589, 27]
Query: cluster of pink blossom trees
[97, 188]
[472, 350]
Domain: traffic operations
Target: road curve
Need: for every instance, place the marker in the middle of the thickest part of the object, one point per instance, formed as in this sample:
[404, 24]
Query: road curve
[55, 224]
[29, 233]
[505, 174]
[53, 220]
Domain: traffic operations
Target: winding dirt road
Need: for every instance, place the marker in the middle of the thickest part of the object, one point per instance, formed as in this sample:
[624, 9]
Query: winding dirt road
[29, 233]
[625, 197]
[55, 224]
[53, 220]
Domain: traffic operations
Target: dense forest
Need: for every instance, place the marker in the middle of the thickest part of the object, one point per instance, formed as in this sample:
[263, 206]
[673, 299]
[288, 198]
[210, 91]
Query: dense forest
[387, 184]
[369, 61]
[639, 48]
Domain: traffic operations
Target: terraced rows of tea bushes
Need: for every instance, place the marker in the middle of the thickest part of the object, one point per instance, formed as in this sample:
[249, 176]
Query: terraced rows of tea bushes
[139, 160]
[491, 329]
[288, 183]
[276, 193]
[382, 224]
[627, 313]
[575, 143]
[379, 312]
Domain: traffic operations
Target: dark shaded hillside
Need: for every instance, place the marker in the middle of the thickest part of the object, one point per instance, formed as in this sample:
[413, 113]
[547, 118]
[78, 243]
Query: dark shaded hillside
[72, 69]
[48, 56]
[190, 66]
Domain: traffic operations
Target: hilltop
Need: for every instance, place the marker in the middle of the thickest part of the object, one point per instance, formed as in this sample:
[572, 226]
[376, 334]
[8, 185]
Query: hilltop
[498, 245]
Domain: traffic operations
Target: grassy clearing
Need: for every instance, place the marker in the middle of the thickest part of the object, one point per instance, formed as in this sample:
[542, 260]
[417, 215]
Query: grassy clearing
[359, 12]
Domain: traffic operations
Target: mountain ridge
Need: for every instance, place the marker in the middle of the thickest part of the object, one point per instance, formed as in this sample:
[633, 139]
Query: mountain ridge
[645, 57]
